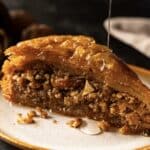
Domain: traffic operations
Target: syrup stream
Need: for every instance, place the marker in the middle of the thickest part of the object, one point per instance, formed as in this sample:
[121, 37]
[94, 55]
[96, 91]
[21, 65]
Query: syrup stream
[109, 16]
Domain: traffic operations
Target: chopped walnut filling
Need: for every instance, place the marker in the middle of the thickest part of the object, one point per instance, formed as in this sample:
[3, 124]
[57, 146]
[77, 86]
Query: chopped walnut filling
[80, 96]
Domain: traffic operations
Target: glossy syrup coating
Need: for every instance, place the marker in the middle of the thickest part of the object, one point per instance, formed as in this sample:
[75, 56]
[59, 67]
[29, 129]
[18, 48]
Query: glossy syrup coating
[82, 55]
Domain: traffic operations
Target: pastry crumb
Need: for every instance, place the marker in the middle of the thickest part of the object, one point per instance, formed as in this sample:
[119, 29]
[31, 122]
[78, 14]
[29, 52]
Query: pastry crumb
[31, 114]
[104, 125]
[25, 119]
[76, 123]
[38, 109]
[55, 121]
[124, 130]
[42, 113]
[29, 117]
[19, 114]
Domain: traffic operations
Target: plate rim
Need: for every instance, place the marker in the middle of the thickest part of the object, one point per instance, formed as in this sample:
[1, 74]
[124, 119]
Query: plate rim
[23, 145]
[18, 143]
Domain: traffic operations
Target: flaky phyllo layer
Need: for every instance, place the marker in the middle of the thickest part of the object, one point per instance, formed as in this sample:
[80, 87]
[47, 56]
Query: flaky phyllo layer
[76, 77]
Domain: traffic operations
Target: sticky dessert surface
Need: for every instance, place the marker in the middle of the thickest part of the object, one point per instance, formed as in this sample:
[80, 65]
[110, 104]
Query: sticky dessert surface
[46, 86]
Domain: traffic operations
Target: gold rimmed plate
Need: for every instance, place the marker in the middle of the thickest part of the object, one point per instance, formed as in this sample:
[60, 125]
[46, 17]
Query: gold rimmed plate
[45, 134]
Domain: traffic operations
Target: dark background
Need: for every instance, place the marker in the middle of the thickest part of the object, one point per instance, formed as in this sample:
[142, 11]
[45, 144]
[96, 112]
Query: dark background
[85, 17]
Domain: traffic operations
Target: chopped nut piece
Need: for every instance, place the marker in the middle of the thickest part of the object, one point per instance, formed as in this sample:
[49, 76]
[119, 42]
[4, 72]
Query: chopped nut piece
[58, 95]
[25, 119]
[133, 119]
[38, 109]
[43, 113]
[74, 93]
[19, 114]
[118, 95]
[103, 106]
[114, 110]
[75, 123]
[104, 125]
[124, 130]
[92, 96]
[31, 114]
[55, 121]
[87, 88]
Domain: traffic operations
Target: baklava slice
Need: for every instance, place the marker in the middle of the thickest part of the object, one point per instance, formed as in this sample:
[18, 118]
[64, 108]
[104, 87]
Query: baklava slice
[72, 75]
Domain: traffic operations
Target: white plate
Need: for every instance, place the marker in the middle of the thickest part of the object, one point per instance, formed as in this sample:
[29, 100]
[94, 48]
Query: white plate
[45, 134]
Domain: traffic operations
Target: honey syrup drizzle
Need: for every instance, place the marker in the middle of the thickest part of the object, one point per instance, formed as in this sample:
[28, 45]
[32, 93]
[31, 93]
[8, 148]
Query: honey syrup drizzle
[109, 23]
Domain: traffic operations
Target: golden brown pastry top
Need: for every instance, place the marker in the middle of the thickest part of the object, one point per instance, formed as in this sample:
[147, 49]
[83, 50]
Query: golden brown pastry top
[81, 55]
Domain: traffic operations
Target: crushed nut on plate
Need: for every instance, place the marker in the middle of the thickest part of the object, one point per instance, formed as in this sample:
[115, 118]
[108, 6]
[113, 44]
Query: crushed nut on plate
[28, 118]
[76, 123]
[25, 119]
[55, 121]
[42, 113]
[31, 114]
[104, 125]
